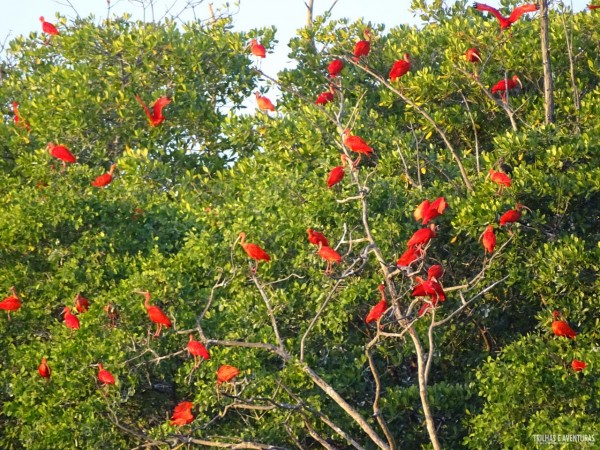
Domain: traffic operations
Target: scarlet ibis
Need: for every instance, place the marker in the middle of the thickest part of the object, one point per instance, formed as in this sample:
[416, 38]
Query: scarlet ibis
[11, 303]
[422, 237]
[335, 67]
[325, 97]
[435, 272]
[155, 117]
[226, 373]
[48, 28]
[423, 206]
[473, 56]
[44, 369]
[254, 251]
[427, 305]
[19, 122]
[61, 152]
[363, 47]
[578, 365]
[428, 288]
[377, 311]
[337, 173]
[104, 376]
[314, 237]
[409, 257]
[488, 239]
[357, 145]
[257, 49]
[105, 179]
[429, 211]
[264, 104]
[506, 22]
[82, 304]
[197, 350]
[155, 313]
[561, 327]
[501, 179]
[400, 67]
[504, 85]
[329, 255]
[71, 320]
[512, 215]
[182, 414]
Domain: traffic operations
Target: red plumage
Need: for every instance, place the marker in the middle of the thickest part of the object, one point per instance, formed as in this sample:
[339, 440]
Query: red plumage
[82, 304]
[510, 216]
[48, 28]
[264, 104]
[253, 251]
[409, 257]
[316, 238]
[500, 178]
[578, 365]
[400, 67]
[376, 311]
[335, 176]
[324, 98]
[435, 272]
[196, 348]
[433, 210]
[182, 414]
[503, 85]
[105, 179]
[11, 303]
[335, 67]
[257, 49]
[422, 236]
[561, 327]
[429, 288]
[473, 56]
[155, 117]
[61, 152]
[488, 239]
[593, 7]
[506, 22]
[363, 47]
[71, 321]
[104, 376]
[329, 254]
[155, 314]
[44, 369]
[356, 143]
[226, 373]
[427, 305]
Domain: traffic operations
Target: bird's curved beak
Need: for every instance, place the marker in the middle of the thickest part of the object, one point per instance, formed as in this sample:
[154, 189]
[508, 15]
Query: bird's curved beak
[520, 84]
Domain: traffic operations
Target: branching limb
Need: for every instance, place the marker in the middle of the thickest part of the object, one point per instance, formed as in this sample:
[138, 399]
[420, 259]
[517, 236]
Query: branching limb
[269, 309]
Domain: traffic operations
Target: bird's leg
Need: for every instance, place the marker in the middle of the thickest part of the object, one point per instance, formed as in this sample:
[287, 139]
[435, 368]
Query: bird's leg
[8, 315]
[355, 163]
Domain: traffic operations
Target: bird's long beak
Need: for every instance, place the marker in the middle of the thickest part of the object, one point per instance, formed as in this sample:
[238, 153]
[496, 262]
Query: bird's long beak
[520, 84]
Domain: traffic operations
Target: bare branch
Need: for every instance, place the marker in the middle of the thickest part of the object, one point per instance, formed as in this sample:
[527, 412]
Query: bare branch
[318, 438]
[376, 410]
[269, 309]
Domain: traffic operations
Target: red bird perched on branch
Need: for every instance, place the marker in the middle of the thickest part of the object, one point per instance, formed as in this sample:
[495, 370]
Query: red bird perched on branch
[409, 257]
[257, 49]
[501, 179]
[435, 272]
[337, 173]
[506, 22]
[61, 152]
[197, 350]
[427, 211]
[578, 365]
[488, 239]
[44, 370]
[473, 56]
[429, 288]
[316, 238]
[156, 116]
[503, 85]
[357, 145]
[11, 303]
[363, 47]
[264, 104]
[71, 321]
[400, 67]
[82, 304]
[512, 215]
[335, 67]
[325, 97]
[254, 251]
[48, 28]
[155, 313]
[329, 255]
[378, 310]
[422, 237]
[182, 414]
[105, 179]
[562, 328]
[104, 376]
[226, 373]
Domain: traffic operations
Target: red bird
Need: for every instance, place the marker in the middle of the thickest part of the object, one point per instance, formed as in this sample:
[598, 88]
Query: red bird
[11, 303]
[71, 321]
[593, 7]
[156, 116]
[48, 28]
[400, 67]
[378, 310]
[325, 97]
[226, 373]
[104, 376]
[506, 22]
[337, 173]
[422, 237]
[503, 85]
[362, 48]
[357, 145]
[500, 178]
[512, 215]
[433, 210]
[427, 305]
[316, 238]
[473, 55]
[335, 67]
[19, 122]
[197, 349]
[155, 313]
[182, 414]
[488, 239]
[264, 104]
[429, 288]
[61, 152]
[435, 272]
[44, 370]
[423, 206]
[257, 49]
[409, 257]
[329, 255]
[577, 365]
[562, 328]
[105, 179]
[82, 304]
[254, 251]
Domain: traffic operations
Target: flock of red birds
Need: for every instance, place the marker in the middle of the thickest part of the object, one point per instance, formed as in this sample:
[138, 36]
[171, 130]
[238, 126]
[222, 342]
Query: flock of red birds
[430, 288]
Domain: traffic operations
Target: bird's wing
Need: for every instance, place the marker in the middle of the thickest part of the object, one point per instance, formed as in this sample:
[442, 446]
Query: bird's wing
[146, 110]
[159, 105]
[520, 10]
[484, 7]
